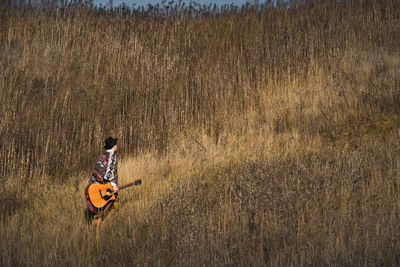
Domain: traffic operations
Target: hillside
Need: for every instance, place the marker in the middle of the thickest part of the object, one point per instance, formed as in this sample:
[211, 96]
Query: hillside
[263, 135]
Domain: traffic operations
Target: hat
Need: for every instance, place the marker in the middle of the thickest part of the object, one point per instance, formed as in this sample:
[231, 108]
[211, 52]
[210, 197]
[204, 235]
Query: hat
[110, 142]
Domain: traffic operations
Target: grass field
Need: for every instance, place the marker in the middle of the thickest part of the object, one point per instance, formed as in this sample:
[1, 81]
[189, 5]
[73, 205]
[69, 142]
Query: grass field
[263, 135]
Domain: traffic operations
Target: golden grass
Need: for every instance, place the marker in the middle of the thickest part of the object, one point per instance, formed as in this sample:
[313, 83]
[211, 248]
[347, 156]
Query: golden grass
[267, 138]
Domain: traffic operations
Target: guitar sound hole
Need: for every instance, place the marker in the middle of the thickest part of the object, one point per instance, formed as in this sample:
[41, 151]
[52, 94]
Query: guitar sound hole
[109, 191]
[108, 194]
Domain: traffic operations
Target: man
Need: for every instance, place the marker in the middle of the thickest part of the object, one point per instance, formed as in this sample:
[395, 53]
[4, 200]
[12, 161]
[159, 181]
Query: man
[105, 170]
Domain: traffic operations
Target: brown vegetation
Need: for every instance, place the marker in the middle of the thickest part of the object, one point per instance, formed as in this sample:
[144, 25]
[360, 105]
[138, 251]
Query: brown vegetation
[263, 136]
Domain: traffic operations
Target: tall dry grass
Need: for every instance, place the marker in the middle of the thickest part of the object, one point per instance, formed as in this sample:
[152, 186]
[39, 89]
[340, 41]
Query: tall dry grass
[263, 135]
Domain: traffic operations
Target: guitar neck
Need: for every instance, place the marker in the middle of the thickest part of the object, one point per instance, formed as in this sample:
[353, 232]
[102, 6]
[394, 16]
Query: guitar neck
[137, 182]
[125, 186]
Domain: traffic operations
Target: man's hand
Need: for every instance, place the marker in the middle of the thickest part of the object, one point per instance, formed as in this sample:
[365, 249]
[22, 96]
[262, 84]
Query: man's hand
[115, 189]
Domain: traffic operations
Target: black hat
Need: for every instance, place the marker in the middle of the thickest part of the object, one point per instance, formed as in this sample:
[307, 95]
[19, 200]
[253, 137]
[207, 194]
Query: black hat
[110, 142]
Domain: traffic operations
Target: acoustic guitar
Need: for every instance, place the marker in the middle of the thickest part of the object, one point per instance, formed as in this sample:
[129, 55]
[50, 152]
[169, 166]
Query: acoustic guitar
[101, 194]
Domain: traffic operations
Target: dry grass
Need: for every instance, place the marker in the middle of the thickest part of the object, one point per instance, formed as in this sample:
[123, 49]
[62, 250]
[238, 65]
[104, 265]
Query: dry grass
[263, 137]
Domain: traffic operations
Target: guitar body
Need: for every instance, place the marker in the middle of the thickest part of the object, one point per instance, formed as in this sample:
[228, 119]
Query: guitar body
[99, 197]
[100, 194]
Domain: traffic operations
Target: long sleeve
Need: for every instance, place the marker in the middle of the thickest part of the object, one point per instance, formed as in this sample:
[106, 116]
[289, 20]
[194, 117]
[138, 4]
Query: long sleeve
[112, 172]
[116, 171]
[100, 169]
[105, 169]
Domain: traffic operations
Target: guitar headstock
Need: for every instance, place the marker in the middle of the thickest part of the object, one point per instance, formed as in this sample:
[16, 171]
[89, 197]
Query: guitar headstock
[138, 182]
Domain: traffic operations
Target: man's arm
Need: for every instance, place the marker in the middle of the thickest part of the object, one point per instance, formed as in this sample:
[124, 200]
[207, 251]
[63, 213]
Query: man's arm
[112, 173]
[100, 169]
[114, 184]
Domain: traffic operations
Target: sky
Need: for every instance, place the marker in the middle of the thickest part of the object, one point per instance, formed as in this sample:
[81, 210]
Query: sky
[153, 2]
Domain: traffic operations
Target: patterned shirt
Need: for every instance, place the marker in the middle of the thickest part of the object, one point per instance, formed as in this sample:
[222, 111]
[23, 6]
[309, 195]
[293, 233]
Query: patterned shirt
[105, 169]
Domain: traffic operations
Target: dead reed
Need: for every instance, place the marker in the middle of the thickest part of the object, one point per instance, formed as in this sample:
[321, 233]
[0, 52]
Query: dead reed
[264, 135]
